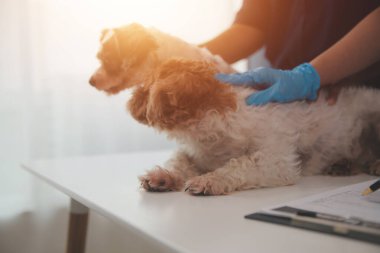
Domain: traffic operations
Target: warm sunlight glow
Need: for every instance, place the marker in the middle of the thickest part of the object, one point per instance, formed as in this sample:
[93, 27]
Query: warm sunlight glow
[71, 28]
[195, 20]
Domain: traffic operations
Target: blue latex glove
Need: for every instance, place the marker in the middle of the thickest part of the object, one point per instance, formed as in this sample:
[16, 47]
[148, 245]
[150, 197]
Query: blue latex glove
[300, 83]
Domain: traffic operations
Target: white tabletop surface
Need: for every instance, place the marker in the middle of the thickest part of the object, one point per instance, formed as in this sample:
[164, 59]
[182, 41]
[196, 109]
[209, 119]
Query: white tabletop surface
[179, 222]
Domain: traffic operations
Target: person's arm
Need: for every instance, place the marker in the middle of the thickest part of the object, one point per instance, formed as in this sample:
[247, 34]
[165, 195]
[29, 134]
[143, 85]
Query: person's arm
[237, 42]
[354, 52]
[357, 50]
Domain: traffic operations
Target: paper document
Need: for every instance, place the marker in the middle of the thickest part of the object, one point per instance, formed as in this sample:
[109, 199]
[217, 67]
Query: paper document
[346, 201]
[343, 212]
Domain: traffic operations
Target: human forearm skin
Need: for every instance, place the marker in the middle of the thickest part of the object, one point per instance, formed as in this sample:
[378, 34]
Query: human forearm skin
[237, 42]
[355, 51]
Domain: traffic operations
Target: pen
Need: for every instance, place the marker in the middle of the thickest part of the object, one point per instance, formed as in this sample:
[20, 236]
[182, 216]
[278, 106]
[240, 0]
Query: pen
[373, 187]
[349, 220]
[329, 217]
[320, 215]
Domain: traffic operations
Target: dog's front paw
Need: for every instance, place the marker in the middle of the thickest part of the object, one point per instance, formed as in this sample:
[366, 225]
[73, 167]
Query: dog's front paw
[161, 180]
[207, 185]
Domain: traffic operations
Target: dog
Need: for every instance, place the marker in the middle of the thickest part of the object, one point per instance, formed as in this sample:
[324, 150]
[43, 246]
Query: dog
[224, 144]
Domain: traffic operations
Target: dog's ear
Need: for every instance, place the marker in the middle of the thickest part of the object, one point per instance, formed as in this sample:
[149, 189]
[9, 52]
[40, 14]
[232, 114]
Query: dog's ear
[137, 105]
[135, 43]
[183, 91]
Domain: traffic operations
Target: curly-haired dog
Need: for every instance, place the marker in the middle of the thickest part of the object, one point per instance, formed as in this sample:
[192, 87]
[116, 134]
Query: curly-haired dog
[226, 145]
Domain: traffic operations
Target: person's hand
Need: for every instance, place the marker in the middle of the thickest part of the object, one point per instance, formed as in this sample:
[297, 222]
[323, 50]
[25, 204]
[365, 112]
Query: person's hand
[334, 90]
[332, 94]
[284, 86]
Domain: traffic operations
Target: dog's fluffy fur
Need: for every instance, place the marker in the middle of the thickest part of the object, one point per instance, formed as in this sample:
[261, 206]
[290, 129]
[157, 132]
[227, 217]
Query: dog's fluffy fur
[226, 145]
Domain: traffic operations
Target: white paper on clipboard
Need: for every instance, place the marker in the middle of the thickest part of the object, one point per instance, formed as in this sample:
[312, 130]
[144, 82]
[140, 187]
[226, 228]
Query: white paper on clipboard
[345, 201]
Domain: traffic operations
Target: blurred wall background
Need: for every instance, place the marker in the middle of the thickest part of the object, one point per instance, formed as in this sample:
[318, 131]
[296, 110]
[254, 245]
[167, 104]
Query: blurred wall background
[48, 110]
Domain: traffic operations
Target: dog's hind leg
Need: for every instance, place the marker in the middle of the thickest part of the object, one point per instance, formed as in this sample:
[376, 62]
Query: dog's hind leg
[343, 167]
[374, 168]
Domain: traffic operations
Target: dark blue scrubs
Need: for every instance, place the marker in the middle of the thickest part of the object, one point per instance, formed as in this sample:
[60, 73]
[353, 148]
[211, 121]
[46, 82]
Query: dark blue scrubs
[296, 31]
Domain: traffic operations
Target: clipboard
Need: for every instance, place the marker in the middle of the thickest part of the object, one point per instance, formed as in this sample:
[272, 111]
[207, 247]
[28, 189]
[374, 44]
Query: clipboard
[341, 212]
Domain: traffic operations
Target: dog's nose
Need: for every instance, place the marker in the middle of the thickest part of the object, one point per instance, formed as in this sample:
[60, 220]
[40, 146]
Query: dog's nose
[92, 81]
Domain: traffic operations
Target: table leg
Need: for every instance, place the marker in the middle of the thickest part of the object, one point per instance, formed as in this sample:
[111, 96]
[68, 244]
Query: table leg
[76, 238]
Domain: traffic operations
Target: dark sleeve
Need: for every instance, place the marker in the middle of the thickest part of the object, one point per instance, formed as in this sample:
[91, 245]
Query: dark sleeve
[254, 13]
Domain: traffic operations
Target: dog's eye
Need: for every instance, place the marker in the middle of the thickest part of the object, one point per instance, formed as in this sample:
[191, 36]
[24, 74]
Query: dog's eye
[109, 59]
[111, 66]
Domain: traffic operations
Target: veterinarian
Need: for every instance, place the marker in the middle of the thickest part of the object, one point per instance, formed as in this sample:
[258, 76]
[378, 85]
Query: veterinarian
[318, 43]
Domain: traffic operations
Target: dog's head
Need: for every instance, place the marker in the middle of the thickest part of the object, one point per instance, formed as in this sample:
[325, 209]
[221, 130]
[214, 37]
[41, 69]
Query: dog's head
[179, 94]
[124, 54]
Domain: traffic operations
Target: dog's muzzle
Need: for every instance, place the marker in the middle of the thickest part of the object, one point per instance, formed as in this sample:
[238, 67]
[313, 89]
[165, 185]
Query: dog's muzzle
[92, 81]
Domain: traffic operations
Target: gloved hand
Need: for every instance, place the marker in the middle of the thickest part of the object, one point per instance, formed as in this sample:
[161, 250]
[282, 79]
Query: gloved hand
[300, 83]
